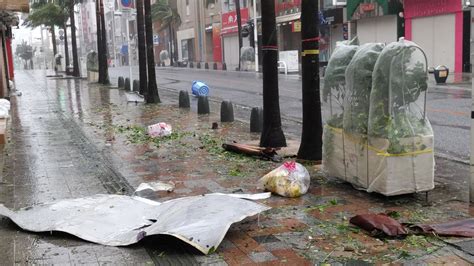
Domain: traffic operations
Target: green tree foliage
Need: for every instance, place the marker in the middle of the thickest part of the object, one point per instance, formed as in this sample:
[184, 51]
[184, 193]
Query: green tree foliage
[164, 13]
[168, 17]
[25, 52]
[47, 14]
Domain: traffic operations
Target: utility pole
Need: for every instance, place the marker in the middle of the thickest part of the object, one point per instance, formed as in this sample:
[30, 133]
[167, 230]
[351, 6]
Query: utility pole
[311, 139]
[272, 134]
[255, 33]
[141, 47]
[239, 28]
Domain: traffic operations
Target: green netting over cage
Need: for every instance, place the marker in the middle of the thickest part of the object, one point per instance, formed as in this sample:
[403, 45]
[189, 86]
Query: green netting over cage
[400, 137]
[334, 88]
[358, 87]
[334, 91]
[356, 112]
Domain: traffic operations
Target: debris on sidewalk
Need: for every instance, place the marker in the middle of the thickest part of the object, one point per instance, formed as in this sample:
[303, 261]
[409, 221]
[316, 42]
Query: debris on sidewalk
[383, 223]
[159, 130]
[199, 88]
[134, 97]
[258, 196]
[289, 180]
[4, 103]
[251, 150]
[462, 228]
[117, 220]
[377, 223]
[156, 186]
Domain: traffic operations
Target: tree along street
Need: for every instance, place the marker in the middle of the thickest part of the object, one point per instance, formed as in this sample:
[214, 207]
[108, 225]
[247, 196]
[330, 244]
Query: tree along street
[448, 106]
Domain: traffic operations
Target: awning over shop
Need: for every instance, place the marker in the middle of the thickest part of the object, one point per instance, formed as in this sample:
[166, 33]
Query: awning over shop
[15, 5]
[289, 17]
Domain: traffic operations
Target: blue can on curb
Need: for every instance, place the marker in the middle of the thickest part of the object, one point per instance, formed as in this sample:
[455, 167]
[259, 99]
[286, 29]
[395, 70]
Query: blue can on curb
[199, 88]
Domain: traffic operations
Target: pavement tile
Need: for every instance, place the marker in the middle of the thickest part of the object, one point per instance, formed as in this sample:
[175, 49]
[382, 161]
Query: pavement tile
[289, 256]
[260, 257]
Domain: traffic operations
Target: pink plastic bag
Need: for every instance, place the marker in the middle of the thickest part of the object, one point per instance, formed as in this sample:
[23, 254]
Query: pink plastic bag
[159, 130]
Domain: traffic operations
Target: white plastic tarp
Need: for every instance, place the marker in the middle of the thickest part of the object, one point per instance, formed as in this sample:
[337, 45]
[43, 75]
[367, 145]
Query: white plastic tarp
[116, 220]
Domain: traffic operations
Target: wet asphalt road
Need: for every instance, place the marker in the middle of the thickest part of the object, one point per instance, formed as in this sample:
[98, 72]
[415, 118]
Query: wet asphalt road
[448, 107]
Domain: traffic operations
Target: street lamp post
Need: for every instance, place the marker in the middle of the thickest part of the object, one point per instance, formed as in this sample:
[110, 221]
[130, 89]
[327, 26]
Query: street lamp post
[255, 33]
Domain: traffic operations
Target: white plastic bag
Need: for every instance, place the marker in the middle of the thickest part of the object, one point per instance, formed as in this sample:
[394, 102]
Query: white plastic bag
[159, 130]
[289, 180]
[5, 103]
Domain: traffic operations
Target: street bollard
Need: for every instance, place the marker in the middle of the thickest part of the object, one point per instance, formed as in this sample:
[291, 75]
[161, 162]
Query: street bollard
[206, 65]
[136, 85]
[224, 66]
[227, 111]
[203, 105]
[127, 84]
[191, 65]
[120, 82]
[198, 65]
[184, 99]
[256, 119]
[214, 66]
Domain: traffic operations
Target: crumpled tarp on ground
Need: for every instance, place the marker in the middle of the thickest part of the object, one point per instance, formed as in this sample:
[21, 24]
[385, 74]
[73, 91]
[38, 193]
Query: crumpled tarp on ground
[380, 223]
[376, 223]
[464, 228]
[116, 220]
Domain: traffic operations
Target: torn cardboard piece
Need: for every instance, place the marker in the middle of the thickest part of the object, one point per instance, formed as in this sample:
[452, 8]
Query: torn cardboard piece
[117, 220]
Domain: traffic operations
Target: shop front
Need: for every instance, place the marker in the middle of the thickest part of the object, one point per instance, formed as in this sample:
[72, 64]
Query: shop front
[230, 37]
[376, 20]
[332, 29]
[438, 27]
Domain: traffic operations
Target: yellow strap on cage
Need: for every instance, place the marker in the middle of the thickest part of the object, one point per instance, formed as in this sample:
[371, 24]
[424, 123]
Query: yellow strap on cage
[378, 151]
[386, 154]
[309, 52]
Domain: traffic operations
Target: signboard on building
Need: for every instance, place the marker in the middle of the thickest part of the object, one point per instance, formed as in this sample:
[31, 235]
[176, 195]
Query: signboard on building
[296, 26]
[426, 8]
[288, 7]
[229, 20]
[156, 39]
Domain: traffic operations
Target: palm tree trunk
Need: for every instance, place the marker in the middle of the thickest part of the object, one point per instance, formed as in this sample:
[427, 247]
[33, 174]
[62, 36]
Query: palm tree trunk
[55, 49]
[151, 96]
[171, 44]
[105, 79]
[141, 47]
[66, 48]
[311, 138]
[239, 28]
[99, 41]
[75, 58]
[272, 134]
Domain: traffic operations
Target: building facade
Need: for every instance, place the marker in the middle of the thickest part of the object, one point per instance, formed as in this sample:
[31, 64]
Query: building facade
[442, 29]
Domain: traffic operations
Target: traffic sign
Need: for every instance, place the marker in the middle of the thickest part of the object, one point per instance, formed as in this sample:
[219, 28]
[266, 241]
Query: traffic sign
[126, 3]
[156, 39]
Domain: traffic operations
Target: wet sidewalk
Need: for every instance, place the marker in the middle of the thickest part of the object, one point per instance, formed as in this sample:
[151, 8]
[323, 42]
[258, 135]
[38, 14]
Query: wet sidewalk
[72, 139]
